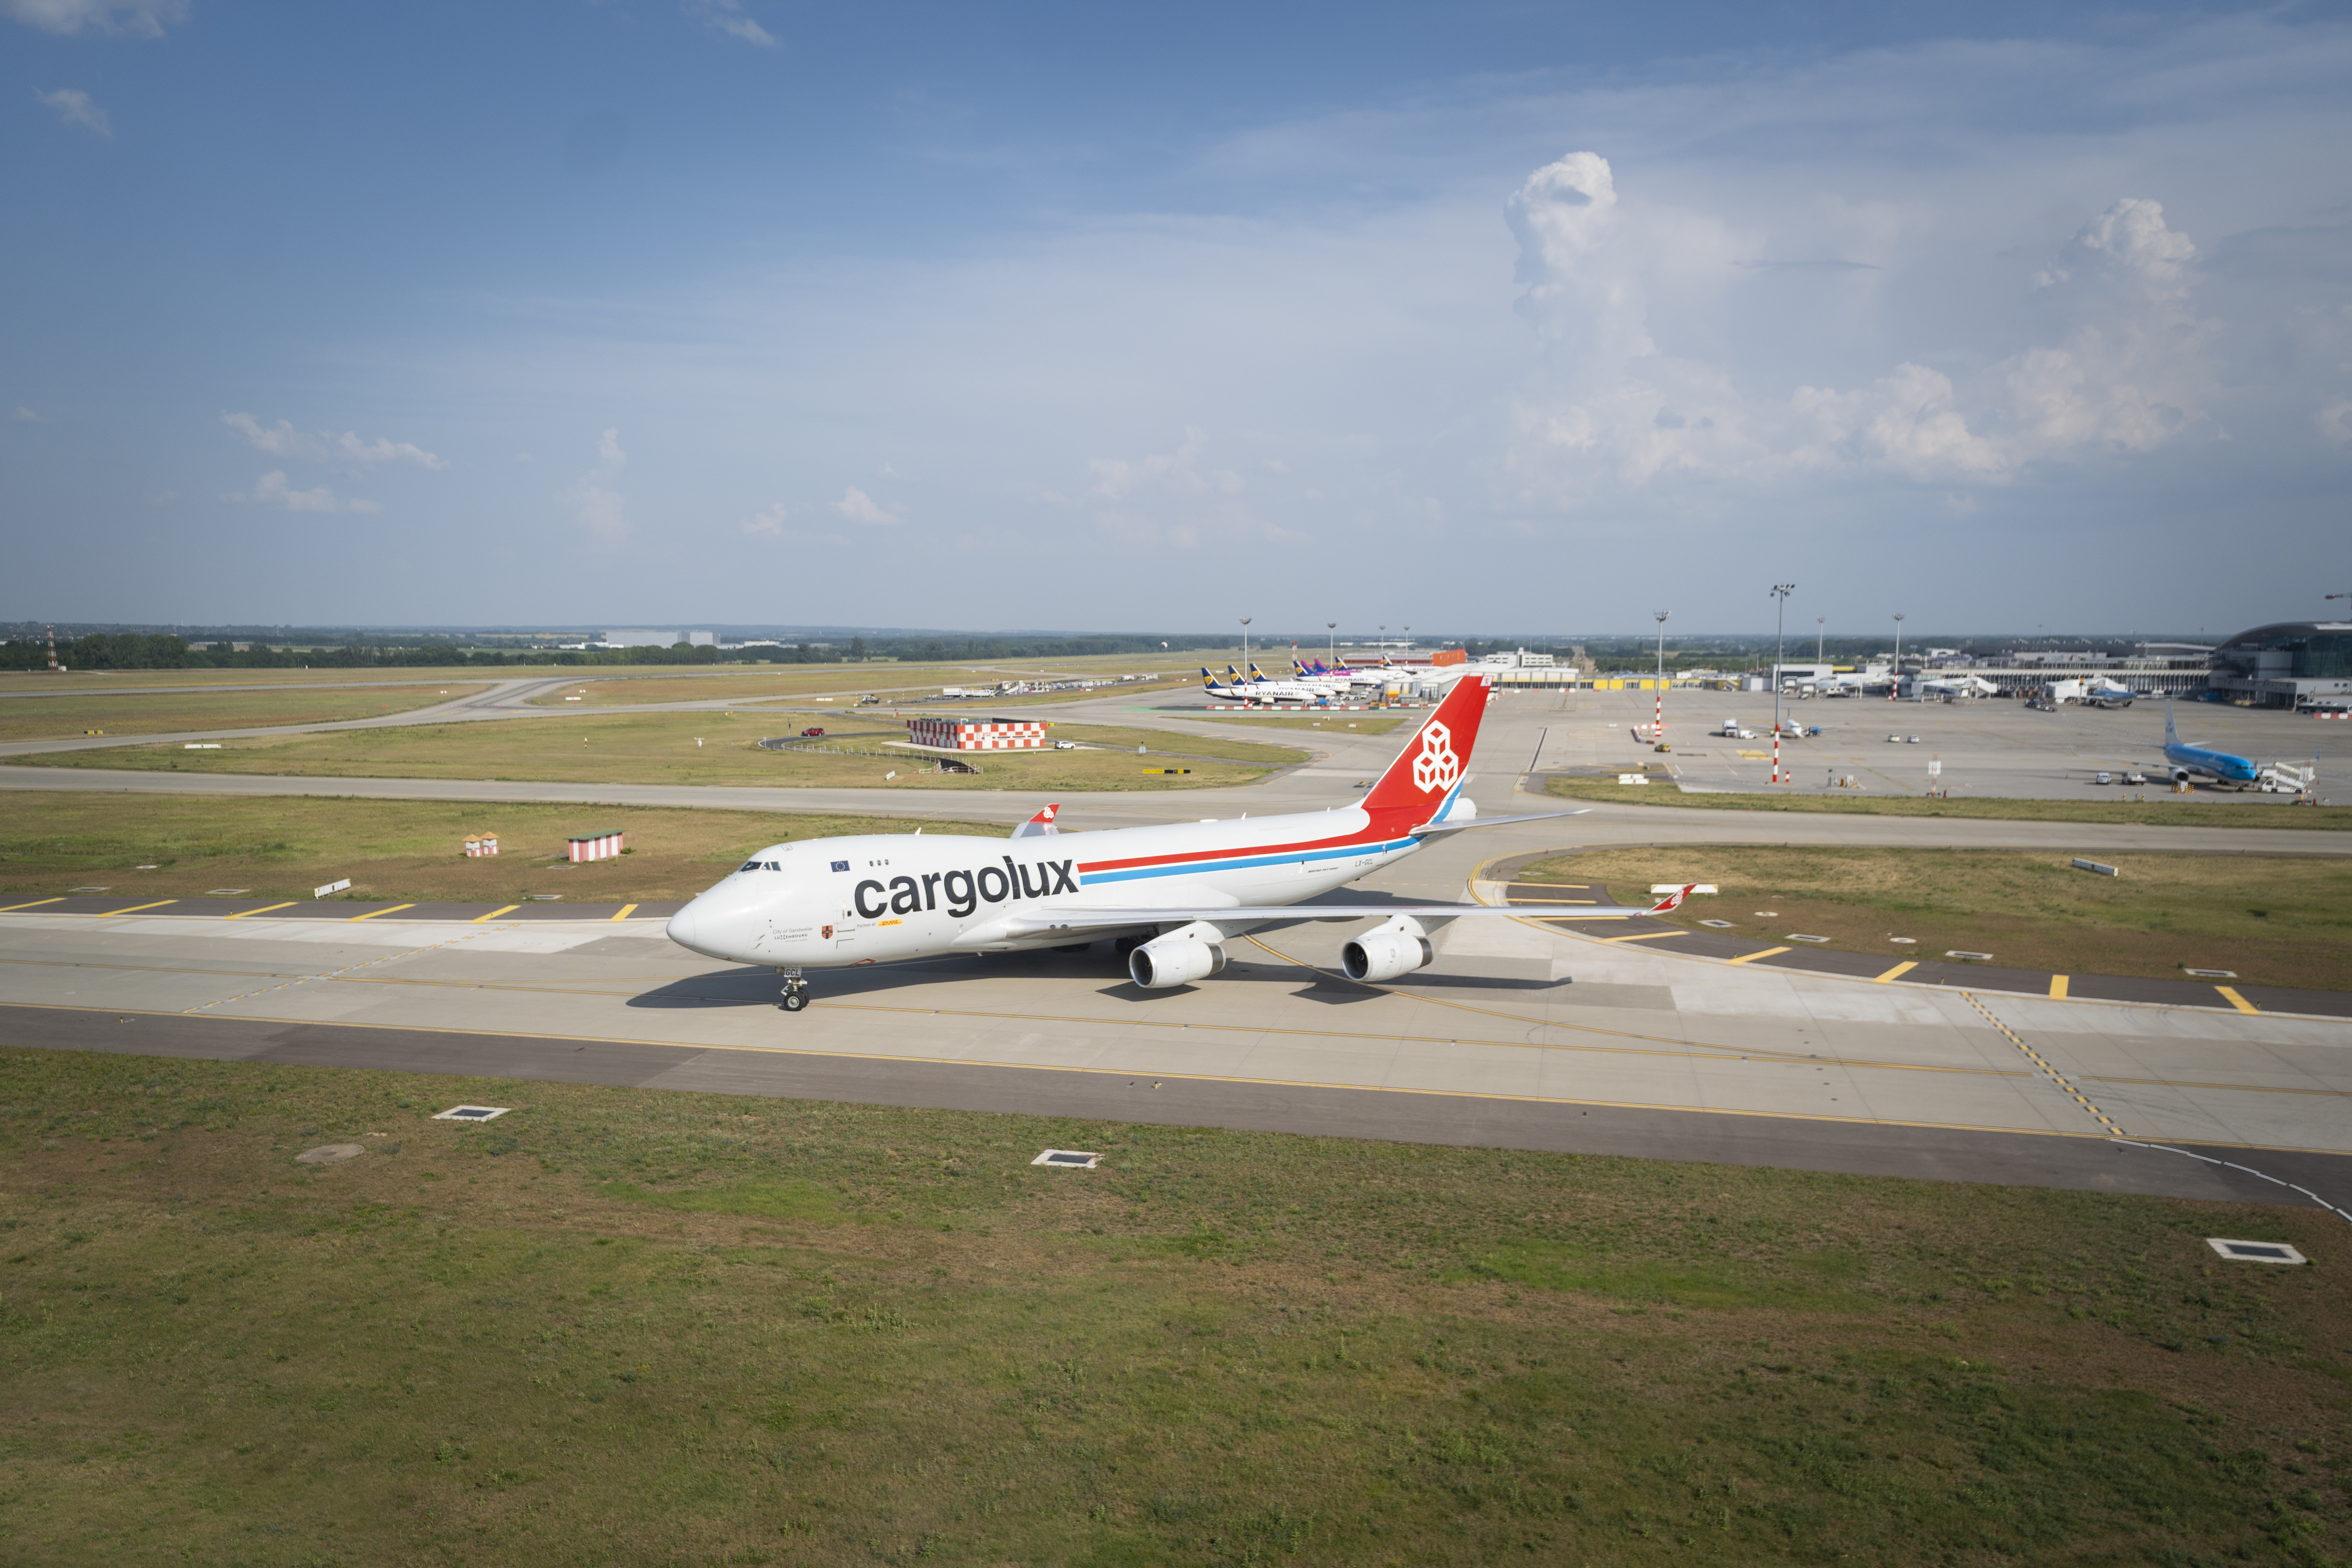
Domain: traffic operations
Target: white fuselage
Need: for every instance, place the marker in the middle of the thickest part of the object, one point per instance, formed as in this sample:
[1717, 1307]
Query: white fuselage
[833, 902]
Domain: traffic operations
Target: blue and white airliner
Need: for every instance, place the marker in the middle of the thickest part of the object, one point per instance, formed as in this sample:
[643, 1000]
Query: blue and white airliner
[2186, 760]
[1171, 896]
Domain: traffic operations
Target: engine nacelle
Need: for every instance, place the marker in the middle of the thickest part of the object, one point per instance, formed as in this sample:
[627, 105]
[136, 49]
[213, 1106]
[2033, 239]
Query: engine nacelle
[1385, 952]
[1176, 959]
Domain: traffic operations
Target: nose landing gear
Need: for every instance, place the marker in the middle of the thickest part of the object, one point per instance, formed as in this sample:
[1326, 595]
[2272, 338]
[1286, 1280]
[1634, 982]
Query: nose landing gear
[796, 991]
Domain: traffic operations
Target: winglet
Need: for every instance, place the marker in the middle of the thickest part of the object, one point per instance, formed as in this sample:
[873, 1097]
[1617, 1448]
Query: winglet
[1040, 824]
[1673, 900]
[2171, 736]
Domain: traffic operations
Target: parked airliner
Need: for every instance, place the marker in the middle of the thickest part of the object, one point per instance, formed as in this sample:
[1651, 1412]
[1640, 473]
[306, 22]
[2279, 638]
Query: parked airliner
[1172, 896]
[2184, 759]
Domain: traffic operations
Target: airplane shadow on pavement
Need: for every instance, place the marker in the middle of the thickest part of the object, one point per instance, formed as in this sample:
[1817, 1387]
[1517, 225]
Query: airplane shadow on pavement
[751, 987]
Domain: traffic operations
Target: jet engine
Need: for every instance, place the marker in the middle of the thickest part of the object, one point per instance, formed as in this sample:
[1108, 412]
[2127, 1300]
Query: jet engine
[1386, 951]
[1175, 958]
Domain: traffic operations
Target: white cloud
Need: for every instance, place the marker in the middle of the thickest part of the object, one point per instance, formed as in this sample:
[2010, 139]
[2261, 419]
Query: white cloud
[25, 416]
[74, 107]
[602, 509]
[766, 524]
[858, 507]
[1610, 411]
[273, 489]
[726, 18]
[282, 440]
[129, 18]
[2335, 422]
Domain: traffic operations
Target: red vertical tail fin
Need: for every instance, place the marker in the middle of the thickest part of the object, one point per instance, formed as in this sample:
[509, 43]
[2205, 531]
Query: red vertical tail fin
[1425, 778]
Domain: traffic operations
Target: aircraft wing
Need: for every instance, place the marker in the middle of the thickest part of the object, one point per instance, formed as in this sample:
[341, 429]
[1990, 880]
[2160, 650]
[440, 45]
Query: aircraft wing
[1084, 919]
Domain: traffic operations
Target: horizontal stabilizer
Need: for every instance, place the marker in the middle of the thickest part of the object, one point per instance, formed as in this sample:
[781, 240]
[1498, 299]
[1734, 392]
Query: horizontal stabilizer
[1451, 825]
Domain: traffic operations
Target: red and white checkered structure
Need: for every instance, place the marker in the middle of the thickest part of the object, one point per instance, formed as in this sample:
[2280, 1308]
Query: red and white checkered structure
[977, 734]
[481, 844]
[594, 847]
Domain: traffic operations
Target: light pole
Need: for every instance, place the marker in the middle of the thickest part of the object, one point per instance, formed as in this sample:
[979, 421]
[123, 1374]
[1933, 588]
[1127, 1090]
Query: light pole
[1781, 592]
[1245, 659]
[1658, 718]
[1898, 658]
[1821, 636]
[1331, 654]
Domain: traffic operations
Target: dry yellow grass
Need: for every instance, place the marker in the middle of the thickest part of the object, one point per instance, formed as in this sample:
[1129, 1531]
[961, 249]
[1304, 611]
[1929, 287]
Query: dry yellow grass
[2278, 920]
[661, 748]
[284, 848]
[76, 711]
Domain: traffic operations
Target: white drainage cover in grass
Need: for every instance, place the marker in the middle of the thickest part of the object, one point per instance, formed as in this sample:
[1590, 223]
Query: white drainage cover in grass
[1906, 941]
[2094, 866]
[2255, 1251]
[329, 1154]
[229, 892]
[1068, 1159]
[471, 1112]
[1800, 936]
[89, 889]
[1956, 952]
[1766, 914]
[2214, 973]
[1719, 925]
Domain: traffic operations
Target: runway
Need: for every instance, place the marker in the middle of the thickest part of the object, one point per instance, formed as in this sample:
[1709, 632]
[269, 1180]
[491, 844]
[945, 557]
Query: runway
[1520, 1034]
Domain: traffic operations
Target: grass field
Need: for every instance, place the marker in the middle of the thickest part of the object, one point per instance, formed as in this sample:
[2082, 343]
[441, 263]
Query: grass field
[70, 714]
[2278, 920]
[752, 684]
[631, 1327]
[97, 681]
[2172, 811]
[659, 748]
[390, 849]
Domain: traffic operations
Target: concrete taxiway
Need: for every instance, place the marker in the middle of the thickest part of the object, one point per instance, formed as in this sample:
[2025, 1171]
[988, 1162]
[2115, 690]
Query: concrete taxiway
[1522, 1034]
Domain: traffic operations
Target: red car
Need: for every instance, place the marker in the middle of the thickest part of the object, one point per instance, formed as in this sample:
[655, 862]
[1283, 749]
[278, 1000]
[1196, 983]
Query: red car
[812, 732]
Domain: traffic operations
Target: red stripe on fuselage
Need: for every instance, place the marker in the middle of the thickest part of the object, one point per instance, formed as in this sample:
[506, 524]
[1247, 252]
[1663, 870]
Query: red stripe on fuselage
[1388, 824]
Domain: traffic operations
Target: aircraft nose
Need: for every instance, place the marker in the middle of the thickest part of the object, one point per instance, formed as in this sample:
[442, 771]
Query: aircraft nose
[685, 925]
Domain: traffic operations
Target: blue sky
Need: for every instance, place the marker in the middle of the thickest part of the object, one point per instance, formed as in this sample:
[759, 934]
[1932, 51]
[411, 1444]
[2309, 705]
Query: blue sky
[1511, 317]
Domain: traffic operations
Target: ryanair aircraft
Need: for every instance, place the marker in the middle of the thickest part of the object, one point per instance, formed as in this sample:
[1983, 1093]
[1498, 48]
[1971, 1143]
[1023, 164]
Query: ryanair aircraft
[1171, 896]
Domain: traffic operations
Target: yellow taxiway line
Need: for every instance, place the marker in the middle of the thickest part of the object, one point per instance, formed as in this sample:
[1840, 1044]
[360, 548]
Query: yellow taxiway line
[1752, 957]
[495, 914]
[627, 910]
[161, 903]
[393, 911]
[262, 910]
[2230, 994]
[1900, 970]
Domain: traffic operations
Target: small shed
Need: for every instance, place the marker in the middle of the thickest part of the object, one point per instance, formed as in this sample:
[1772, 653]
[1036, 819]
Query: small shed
[479, 844]
[593, 845]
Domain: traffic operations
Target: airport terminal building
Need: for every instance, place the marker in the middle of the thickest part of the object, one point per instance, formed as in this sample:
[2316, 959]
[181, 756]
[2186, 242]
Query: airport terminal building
[2291, 664]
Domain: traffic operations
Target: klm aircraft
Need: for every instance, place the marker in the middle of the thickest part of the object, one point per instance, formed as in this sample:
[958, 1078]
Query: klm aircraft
[2185, 760]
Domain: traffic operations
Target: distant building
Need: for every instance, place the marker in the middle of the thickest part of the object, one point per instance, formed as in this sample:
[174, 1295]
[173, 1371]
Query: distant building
[2286, 665]
[641, 640]
[702, 639]
[977, 734]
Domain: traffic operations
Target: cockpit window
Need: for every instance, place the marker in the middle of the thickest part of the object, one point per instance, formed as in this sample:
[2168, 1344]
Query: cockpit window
[749, 866]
